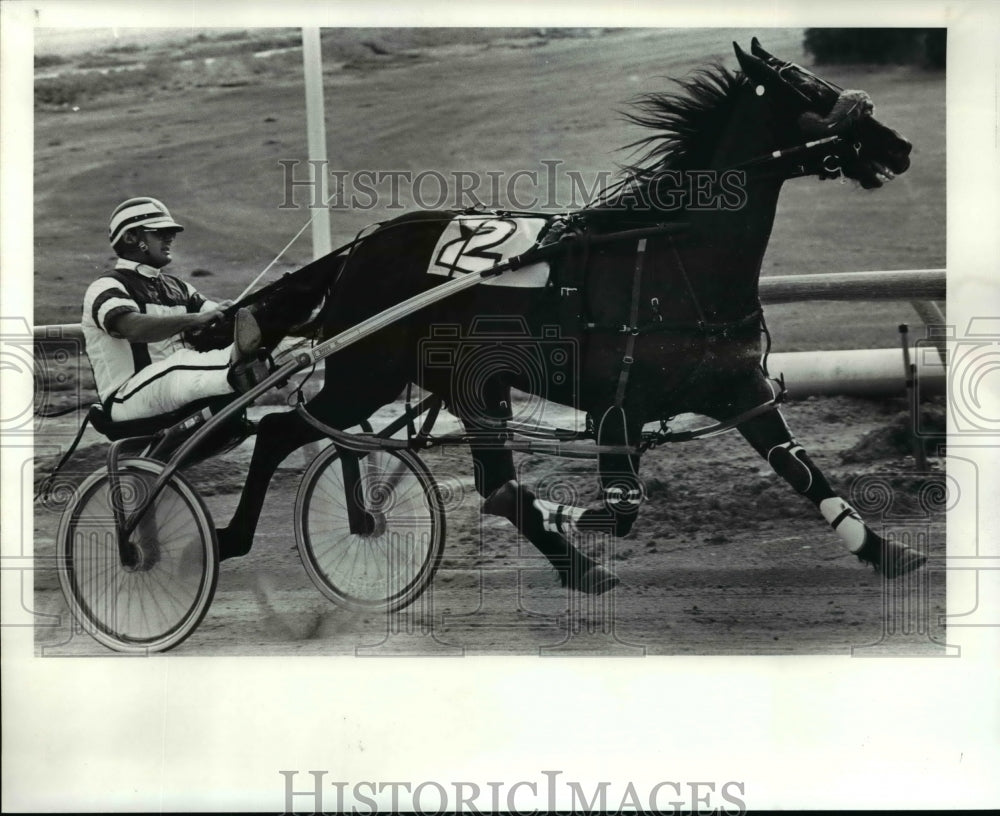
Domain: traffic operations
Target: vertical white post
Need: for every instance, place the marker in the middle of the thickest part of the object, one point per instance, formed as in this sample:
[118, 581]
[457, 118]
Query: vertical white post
[312, 66]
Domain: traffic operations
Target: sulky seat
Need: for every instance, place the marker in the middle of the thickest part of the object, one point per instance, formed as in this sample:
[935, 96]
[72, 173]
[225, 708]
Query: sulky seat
[162, 435]
[150, 426]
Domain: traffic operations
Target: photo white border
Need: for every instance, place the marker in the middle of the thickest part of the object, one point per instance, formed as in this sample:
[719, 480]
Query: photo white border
[213, 733]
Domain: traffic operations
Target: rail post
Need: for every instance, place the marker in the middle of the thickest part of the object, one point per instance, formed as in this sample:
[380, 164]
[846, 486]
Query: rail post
[910, 372]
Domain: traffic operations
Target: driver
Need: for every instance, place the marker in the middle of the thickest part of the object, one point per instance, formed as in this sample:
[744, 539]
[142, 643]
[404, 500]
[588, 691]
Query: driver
[134, 319]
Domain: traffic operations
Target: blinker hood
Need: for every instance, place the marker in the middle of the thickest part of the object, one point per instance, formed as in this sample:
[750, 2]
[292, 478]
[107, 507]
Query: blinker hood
[797, 86]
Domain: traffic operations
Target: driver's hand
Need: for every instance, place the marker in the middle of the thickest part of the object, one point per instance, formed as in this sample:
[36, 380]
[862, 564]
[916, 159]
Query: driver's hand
[209, 317]
[225, 304]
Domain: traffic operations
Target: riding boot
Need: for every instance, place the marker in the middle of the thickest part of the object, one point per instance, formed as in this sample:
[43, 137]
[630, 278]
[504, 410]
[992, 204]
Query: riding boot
[247, 366]
[247, 338]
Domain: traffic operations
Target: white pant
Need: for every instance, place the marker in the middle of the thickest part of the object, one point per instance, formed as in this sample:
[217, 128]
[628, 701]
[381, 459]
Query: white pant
[178, 380]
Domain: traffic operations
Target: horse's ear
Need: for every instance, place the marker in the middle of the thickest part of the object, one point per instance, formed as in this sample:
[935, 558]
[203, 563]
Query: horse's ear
[756, 70]
[758, 51]
[760, 72]
[804, 84]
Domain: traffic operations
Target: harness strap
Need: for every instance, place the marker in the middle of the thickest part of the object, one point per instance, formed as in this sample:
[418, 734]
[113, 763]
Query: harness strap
[662, 436]
[664, 326]
[57, 413]
[628, 359]
[687, 281]
[796, 152]
[46, 484]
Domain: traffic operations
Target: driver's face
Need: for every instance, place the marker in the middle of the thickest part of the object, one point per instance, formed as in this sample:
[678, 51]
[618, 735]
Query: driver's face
[158, 243]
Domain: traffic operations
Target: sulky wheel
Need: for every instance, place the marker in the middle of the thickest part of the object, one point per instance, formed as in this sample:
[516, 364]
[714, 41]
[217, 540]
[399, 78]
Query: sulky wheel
[159, 595]
[370, 527]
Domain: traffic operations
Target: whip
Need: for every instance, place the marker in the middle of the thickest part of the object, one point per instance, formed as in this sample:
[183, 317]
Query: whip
[277, 257]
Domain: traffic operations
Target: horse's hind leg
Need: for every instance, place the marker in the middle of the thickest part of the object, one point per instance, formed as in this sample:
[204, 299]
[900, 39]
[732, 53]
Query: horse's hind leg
[497, 484]
[545, 522]
[279, 434]
[770, 437]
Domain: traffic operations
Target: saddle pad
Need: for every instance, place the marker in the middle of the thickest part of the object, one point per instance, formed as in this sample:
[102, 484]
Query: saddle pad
[477, 243]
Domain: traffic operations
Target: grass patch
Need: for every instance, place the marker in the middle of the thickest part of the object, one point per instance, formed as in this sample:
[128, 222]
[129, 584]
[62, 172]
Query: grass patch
[124, 48]
[222, 36]
[234, 43]
[49, 60]
[72, 89]
[92, 75]
[106, 60]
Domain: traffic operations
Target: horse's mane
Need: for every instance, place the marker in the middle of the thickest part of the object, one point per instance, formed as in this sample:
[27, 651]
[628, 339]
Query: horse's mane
[687, 122]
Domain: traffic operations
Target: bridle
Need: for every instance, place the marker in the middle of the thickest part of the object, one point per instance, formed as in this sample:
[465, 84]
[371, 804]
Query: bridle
[829, 148]
[785, 66]
[802, 156]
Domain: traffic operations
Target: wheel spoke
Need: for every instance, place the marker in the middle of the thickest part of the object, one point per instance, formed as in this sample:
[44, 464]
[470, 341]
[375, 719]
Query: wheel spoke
[159, 602]
[389, 567]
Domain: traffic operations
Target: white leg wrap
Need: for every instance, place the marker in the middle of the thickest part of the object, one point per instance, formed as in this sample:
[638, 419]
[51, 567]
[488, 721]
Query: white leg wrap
[558, 518]
[845, 520]
[623, 497]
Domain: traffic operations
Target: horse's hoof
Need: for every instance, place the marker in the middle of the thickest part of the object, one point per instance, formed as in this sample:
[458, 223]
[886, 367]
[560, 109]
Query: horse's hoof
[228, 548]
[595, 580]
[502, 501]
[890, 559]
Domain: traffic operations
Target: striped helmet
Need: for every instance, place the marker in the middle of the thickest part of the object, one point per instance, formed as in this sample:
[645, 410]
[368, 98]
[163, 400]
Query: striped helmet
[139, 212]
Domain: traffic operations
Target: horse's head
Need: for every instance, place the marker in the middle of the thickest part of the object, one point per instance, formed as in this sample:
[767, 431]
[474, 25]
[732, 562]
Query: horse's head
[808, 108]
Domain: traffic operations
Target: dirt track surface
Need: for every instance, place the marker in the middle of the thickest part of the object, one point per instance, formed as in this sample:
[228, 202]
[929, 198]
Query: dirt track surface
[725, 559]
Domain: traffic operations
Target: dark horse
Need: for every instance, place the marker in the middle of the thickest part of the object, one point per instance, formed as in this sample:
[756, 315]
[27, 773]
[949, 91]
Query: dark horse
[653, 288]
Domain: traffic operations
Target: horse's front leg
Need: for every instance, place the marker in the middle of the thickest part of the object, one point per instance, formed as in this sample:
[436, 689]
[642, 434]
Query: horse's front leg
[621, 490]
[548, 522]
[770, 437]
[497, 483]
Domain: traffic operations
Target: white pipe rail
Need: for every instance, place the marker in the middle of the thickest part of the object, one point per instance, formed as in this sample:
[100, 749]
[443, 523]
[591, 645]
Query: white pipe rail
[857, 372]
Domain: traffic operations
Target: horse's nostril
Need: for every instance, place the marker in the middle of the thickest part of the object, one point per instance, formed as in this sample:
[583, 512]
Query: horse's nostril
[899, 155]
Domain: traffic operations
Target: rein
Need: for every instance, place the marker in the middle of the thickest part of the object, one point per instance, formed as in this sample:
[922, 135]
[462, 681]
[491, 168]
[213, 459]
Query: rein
[803, 153]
